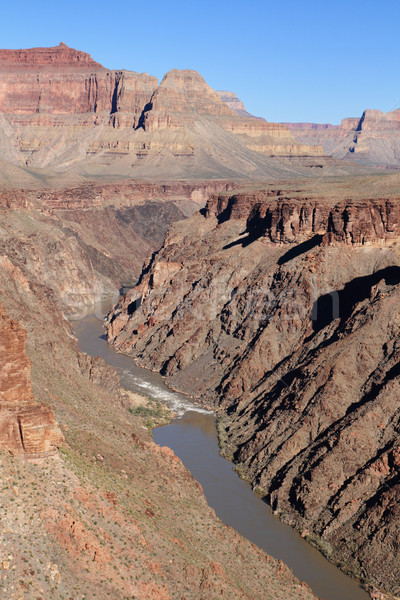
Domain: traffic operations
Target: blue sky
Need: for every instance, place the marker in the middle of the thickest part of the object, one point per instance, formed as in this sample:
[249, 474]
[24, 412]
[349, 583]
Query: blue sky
[287, 60]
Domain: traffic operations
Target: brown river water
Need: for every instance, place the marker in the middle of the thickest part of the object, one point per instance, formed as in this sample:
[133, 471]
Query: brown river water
[193, 437]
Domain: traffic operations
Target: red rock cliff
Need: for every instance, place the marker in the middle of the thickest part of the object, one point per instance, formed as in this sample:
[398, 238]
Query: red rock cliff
[57, 56]
[59, 108]
[283, 218]
[65, 81]
[27, 428]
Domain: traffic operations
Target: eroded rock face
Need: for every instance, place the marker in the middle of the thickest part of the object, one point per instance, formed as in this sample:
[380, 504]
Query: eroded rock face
[27, 428]
[281, 308]
[183, 100]
[234, 103]
[372, 139]
[58, 56]
[282, 218]
[46, 86]
[60, 109]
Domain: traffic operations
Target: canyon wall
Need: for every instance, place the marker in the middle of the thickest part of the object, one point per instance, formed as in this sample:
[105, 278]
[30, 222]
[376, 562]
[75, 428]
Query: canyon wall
[281, 218]
[279, 308]
[61, 112]
[111, 514]
[48, 86]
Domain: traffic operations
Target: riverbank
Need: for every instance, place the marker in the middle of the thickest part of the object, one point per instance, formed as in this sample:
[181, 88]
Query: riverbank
[193, 438]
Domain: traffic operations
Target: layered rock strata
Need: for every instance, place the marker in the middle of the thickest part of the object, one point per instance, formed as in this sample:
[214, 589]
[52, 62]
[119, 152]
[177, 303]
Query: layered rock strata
[280, 308]
[372, 139]
[48, 86]
[279, 217]
[62, 111]
[235, 104]
[112, 515]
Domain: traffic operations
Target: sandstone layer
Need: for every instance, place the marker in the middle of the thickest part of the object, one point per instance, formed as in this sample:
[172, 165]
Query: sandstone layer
[279, 307]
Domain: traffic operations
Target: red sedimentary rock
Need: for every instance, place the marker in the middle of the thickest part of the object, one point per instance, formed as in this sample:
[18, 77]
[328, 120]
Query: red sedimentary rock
[27, 428]
[47, 86]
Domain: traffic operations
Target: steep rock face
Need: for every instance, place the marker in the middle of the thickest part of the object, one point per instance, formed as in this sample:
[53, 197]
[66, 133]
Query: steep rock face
[377, 138]
[188, 196]
[62, 111]
[56, 99]
[282, 218]
[116, 506]
[180, 97]
[335, 139]
[373, 139]
[184, 96]
[84, 243]
[58, 56]
[27, 428]
[185, 115]
[41, 85]
[281, 308]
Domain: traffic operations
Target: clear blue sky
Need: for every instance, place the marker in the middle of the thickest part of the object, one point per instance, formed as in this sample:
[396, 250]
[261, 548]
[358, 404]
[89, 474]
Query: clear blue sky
[287, 60]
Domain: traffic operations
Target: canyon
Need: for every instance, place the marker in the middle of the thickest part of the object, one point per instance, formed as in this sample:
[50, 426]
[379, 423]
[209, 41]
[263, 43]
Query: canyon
[245, 308]
[259, 275]
[110, 513]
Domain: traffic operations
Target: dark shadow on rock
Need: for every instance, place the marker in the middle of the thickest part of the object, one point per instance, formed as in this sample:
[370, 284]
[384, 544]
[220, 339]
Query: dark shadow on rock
[134, 305]
[300, 249]
[225, 215]
[246, 241]
[376, 388]
[142, 117]
[256, 228]
[340, 303]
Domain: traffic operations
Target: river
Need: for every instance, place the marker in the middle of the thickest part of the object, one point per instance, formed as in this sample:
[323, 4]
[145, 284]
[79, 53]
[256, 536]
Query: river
[193, 437]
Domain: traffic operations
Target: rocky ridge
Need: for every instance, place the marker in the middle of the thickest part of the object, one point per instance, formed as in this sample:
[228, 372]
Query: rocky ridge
[278, 306]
